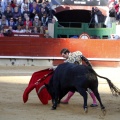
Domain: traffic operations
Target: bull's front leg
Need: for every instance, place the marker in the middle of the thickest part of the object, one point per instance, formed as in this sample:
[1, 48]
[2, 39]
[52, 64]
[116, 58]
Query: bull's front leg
[84, 94]
[54, 102]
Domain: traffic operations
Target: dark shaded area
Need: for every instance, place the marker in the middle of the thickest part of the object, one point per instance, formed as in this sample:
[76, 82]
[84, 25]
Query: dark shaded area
[75, 18]
[83, 16]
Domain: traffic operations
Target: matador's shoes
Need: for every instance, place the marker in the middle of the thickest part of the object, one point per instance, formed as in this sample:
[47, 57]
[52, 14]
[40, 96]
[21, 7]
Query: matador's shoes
[63, 102]
[93, 105]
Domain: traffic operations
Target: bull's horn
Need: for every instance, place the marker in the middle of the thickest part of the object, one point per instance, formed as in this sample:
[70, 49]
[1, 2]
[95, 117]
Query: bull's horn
[41, 88]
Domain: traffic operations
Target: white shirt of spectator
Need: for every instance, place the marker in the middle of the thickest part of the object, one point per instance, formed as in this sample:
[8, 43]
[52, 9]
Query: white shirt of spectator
[18, 31]
[19, 2]
[22, 7]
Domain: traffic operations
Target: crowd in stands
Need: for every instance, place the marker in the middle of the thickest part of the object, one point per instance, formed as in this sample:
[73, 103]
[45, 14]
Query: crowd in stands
[113, 14]
[33, 16]
[25, 16]
[116, 5]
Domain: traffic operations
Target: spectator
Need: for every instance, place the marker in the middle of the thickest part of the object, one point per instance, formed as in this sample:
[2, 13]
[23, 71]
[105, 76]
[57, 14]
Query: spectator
[12, 23]
[26, 10]
[40, 3]
[18, 4]
[118, 14]
[28, 22]
[112, 16]
[44, 20]
[1, 33]
[16, 14]
[44, 23]
[13, 5]
[27, 29]
[35, 30]
[20, 21]
[24, 5]
[25, 16]
[3, 5]
[8, 3]
[34, 6]
[32, 14]
[48, 8]
[19, 30]
[36, 22]
[9, 32]
[92, 21]
[42, 12]
[8, 13]
[0, 13]
[98, 18]
[50, 17]
[116, 6]
[3, 22]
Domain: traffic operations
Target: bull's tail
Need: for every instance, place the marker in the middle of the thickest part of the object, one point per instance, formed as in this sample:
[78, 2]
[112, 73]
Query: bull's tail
[115, 90]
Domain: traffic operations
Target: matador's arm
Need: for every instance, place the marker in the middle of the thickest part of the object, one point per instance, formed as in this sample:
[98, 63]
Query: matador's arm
[85, 60]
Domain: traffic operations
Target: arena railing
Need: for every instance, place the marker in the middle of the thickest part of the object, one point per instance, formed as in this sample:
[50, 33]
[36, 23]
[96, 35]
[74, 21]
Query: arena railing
[57, 58]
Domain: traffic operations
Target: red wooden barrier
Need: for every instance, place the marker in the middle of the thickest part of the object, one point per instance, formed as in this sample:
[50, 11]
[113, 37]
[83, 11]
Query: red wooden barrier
[31, 46]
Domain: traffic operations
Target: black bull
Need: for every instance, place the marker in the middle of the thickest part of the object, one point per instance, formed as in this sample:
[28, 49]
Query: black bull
[71, 77]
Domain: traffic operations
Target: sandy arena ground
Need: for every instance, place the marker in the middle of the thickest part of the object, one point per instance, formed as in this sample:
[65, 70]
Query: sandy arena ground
[14, 80]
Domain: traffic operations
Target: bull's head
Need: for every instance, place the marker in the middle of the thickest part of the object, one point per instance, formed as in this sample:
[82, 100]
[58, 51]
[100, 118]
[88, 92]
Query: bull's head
[48, 87]
[52, 94]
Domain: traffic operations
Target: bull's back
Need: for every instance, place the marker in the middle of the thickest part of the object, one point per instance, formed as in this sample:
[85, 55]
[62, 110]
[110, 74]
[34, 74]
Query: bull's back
[68, 72]
[71, 68]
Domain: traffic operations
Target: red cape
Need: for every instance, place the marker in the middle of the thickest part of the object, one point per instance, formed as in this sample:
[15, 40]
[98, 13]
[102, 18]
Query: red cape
[42, 77]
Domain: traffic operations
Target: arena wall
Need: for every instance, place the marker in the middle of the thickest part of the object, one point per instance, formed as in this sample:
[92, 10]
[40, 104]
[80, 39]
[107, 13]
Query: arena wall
[101, 52]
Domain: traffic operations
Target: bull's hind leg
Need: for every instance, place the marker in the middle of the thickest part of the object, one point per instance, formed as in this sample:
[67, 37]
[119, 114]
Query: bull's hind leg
[84, 94]
[99, 99]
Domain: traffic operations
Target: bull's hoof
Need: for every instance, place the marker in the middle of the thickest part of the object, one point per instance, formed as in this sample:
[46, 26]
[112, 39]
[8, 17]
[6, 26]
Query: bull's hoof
[53, 108]
[86, 109]
[104, 111]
